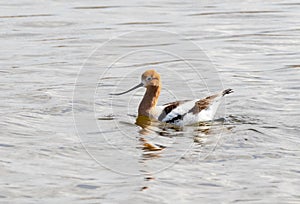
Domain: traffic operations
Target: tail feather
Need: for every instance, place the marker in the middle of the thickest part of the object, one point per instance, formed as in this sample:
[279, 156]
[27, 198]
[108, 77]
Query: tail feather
[227, 91]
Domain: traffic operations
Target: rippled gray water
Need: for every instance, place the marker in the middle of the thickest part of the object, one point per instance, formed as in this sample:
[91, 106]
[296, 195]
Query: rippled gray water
[250, 155]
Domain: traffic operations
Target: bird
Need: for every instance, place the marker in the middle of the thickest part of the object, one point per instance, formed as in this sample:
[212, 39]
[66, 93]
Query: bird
[178, 113]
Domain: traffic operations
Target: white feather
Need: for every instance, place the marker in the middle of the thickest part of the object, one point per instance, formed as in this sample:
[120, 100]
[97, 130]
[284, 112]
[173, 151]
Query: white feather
[181, 115]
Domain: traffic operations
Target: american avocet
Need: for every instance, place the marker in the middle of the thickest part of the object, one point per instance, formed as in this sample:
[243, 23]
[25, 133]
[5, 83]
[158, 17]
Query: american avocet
[179, 113]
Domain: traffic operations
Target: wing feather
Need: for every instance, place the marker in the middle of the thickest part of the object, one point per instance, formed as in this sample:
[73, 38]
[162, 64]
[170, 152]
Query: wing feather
[178, 112]
[189, 111]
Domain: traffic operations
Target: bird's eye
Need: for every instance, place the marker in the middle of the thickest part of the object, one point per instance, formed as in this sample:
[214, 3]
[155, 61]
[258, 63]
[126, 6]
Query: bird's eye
[149, 78]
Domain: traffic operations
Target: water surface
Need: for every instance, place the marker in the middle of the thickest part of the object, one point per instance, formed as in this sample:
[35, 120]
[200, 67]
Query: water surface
[253, 45]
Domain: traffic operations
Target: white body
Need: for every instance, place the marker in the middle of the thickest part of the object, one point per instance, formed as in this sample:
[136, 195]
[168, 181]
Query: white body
[186, 117]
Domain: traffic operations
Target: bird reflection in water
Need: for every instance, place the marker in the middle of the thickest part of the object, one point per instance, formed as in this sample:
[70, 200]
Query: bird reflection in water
[147, 124]
[153, 150]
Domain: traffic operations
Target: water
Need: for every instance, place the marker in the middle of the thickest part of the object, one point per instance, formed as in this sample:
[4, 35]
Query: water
[251, 155]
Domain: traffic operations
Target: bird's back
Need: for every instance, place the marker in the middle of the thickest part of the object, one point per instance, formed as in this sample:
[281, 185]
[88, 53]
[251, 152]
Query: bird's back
[189, 112]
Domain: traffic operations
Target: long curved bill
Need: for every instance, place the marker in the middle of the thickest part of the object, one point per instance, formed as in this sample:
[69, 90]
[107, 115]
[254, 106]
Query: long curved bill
[137, 86]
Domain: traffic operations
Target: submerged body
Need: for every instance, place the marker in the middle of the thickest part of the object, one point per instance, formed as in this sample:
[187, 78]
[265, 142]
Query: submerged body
[179, 113]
